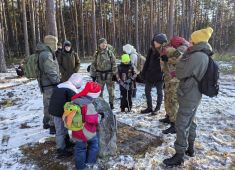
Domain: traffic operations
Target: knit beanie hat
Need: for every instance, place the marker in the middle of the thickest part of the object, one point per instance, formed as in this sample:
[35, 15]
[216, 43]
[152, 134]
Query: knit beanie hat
[177, 41]
[202, 35]
[92, 89]
[160, 38]
[51, 41]
[125, 58]
[128, 48]
[102, 40]
[76, 80]
[67, 43]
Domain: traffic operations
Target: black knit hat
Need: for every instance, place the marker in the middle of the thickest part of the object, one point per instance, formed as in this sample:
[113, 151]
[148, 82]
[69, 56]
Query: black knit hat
[67, 43]
[160, 38]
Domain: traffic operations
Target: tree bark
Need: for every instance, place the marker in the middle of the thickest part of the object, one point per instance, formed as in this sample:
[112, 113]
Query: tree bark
[171, 19]
[94, 27]
[3, 67]
[137, 25]
[51, 28]
[82, 29]
[26, 39]
[33, 32]
[62, 22]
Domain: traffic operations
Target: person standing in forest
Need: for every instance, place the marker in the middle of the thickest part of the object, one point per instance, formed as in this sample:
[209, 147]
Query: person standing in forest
[69, 61]
[152, 73]
[137, 61]
[103, 69]
[49, 76]
[170, 56]
[190, 69]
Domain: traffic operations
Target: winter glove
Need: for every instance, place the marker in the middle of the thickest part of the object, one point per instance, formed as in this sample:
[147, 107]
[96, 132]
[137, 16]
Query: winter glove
[101, 114]
[164, 58]
[93, 78]
[88, 68]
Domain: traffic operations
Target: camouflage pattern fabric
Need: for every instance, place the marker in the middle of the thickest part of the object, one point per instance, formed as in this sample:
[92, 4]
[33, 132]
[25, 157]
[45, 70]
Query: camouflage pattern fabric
[47, 119]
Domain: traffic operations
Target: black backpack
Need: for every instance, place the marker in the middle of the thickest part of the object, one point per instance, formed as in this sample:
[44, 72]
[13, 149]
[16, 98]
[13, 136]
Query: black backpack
[209, 85]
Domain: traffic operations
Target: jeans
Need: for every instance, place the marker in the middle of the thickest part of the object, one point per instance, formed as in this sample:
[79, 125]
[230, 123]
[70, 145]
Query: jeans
[148, 89]
[61, 132]
[86, 153]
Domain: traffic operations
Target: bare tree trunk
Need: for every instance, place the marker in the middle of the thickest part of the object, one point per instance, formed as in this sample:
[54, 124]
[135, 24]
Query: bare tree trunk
[26, 39]
[137, 25]
[113, 24]
[62, 22]
[9, 26]
[151, 20]
[82, 28]
[171, 19]
[3, 67]
[94, 26]
[32, 8]
[37, 26]
[51, 28]
[76, 25]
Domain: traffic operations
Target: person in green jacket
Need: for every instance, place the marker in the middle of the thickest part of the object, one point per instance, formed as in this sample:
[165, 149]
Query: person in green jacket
[193, 63]
[69, 61]
[49, 76]
[103, 68]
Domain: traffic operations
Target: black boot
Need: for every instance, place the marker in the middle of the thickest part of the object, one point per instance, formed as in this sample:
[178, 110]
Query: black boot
[63, 153]
[165, 120]
[46, 126]
[176, 160]
[52, 130]
[156, 109]
[68, 143]
[146, 111]
[170, 130]
[111, 106]
[190, 150]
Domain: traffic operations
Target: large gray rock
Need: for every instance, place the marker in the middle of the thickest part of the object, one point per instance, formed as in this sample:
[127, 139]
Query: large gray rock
[107, 129]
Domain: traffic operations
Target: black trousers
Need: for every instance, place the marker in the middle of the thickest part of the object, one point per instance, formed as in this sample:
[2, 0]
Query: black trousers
[126, 98]
[148, 89]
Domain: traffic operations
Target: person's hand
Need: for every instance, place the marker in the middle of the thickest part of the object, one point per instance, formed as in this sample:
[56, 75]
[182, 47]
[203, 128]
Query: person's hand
[164, 58]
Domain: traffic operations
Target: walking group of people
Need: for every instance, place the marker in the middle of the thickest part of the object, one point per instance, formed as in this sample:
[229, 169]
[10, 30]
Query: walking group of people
[172, 65]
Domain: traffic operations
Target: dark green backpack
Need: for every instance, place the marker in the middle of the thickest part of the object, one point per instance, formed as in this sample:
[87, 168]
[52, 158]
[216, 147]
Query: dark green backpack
[31, 68]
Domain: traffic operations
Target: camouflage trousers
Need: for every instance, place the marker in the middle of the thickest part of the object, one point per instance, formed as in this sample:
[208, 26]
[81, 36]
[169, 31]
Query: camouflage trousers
[47, 119]
[170, 100]
[109, 85]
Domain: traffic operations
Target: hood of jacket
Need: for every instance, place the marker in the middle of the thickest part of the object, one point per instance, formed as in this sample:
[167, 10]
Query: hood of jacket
[42, 47]
[203, 46]
[84, 100]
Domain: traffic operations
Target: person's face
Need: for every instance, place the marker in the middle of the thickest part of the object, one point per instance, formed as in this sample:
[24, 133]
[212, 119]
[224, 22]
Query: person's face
[156, 45]
[103, 46]
[59, 47]
[67, 48]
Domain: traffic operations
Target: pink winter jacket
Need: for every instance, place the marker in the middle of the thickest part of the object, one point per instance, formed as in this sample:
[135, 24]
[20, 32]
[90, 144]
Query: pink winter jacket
[90, 119]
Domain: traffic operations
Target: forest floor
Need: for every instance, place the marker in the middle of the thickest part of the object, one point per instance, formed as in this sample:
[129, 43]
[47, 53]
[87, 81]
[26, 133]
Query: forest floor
[24, 144]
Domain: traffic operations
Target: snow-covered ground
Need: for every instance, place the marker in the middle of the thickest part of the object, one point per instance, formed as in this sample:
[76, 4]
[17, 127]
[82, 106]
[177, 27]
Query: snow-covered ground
[21, 123]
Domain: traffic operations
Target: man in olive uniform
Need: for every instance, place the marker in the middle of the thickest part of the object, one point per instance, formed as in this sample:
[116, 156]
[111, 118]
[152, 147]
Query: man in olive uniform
[49, 76]
[173, 54]
[104, 68]
[69, 61]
